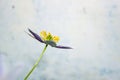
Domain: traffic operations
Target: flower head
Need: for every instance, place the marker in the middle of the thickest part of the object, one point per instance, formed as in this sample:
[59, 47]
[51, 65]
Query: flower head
[47, 38]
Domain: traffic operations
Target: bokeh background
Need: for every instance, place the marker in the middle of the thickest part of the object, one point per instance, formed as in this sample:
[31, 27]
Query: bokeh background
[91, 27]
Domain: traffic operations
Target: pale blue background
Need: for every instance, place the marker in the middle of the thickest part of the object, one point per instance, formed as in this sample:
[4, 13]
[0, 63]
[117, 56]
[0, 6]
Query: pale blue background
[91, 27]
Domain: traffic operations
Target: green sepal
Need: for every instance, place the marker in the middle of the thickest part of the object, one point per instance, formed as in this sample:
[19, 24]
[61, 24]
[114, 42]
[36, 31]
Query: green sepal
[51, 43]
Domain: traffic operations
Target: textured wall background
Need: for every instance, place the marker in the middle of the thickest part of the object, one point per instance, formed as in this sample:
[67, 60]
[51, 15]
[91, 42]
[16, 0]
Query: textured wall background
[91, 27]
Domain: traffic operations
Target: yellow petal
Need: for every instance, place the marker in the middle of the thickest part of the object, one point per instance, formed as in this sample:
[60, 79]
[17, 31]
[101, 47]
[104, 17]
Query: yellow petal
[56, 38]
[43, 35]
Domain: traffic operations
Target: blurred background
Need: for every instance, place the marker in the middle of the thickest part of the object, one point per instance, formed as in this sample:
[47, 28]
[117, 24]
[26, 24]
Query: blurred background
[91, 27]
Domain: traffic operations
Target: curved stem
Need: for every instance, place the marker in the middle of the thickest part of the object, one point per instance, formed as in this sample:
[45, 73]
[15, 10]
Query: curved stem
[37, 62]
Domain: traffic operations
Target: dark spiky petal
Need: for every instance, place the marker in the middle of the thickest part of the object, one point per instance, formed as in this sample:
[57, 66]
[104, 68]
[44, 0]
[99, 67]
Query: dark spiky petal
[29, 34]
[63, 47]
[36, 36]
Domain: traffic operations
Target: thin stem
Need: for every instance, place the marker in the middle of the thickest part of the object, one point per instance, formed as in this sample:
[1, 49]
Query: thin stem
[37, 62]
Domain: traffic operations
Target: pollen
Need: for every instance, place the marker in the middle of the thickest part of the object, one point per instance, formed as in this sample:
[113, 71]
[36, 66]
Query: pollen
[49, 36]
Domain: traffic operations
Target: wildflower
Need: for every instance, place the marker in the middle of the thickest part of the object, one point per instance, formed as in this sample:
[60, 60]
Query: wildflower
[48, 39]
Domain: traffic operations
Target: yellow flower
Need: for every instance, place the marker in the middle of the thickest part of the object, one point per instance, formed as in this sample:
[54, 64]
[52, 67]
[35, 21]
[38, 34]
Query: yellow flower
[48, 39]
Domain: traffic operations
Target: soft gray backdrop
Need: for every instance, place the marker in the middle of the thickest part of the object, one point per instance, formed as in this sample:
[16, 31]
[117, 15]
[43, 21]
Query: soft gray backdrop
[91, 27]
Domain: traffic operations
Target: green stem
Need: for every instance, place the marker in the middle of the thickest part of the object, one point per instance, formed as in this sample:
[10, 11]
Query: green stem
[37, 62]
